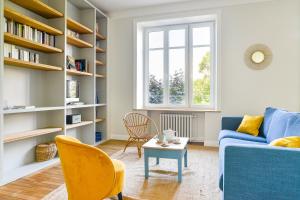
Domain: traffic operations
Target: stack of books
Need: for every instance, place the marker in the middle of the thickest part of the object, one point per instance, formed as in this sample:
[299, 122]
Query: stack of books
[81, 65]
[28, 32]
[15, 52]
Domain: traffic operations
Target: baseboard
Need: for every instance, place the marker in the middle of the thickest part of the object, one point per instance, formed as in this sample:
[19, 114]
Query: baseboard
[119, 137]
[196, 139]
[211, 143]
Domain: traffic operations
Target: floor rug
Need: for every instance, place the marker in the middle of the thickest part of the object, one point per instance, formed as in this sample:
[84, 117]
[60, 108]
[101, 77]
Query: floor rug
[199, 181]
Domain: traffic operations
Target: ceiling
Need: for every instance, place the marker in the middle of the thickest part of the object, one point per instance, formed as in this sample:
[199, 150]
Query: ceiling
[109, 6]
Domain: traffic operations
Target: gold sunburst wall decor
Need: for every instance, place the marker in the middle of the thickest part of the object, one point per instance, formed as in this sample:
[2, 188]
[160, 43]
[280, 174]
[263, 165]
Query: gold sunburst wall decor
[258, 56]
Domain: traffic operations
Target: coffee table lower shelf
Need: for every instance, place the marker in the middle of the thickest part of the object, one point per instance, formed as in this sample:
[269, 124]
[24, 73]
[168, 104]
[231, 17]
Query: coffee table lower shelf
[156, 151]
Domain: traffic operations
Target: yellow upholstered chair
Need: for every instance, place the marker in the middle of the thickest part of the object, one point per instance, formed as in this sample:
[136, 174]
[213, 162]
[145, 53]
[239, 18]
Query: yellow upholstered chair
[89, 173]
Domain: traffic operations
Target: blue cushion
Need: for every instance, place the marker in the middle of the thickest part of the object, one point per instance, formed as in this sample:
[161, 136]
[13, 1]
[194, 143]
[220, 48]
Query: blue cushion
[229, 141]
[241, 136]
[278, 124]
[293, 126]
[267, 119]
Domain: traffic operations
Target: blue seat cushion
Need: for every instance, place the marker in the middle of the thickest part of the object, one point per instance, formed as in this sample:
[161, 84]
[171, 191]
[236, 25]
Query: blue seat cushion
[242, 136]
[229, 141]
[293, 126]
[278, 124]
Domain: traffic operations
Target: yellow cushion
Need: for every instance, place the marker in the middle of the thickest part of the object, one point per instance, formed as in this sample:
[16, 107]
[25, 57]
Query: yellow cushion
[291, 142]
[250, 125]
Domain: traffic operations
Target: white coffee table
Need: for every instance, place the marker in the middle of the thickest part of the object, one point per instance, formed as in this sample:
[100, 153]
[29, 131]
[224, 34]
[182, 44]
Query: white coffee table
[173, 151]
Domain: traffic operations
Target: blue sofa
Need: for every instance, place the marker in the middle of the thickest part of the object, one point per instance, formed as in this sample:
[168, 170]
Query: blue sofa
[250, 169]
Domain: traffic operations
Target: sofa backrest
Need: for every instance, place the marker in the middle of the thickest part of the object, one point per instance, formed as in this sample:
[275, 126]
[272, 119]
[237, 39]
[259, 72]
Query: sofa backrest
[280, 123]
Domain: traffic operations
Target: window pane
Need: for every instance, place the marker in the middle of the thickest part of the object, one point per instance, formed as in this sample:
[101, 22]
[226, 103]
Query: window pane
[156, 74]
[176, 76]
[201, 36]
[156, 39]
[201, 76]
[177, 38]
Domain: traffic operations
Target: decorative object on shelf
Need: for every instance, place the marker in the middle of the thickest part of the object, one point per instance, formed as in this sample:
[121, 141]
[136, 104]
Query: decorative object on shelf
[73, 119]
[71, 63]
[72, 91]
[97, 28]
[45, 151]
[98, 136]
[258, 56]
[73, 33]
[82, 65]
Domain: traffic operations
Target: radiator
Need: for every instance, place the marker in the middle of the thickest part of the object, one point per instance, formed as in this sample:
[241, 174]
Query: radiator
[181, 123]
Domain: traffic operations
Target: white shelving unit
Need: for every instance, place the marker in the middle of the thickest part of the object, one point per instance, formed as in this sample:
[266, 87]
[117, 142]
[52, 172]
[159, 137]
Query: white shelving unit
[44, 85]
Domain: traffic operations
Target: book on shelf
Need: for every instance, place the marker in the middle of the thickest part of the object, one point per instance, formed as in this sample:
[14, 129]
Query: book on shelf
[7, 50]
[15, 52]
[5, 25]
[29, 33]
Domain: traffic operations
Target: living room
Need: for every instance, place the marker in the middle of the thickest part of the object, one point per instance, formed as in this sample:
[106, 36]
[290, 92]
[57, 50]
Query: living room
[177, 99]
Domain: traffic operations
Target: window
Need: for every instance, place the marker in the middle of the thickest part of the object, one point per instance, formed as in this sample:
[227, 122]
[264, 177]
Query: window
[179, 65]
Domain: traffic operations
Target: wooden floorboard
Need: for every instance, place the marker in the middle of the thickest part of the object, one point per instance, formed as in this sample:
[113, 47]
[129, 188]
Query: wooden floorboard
[38, 185]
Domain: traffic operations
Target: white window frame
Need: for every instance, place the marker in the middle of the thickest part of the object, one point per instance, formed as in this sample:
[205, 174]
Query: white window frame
[188, 65]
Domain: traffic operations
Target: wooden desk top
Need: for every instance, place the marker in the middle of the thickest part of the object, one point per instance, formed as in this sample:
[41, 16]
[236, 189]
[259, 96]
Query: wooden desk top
[152, 144]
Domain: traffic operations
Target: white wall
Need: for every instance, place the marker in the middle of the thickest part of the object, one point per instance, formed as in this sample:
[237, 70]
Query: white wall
[275, 23]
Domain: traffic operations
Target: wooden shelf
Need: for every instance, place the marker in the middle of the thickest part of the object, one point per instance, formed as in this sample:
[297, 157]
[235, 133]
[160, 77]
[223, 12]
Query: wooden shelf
[84, 123]
[16, 40]
[78, 42]
[99, 63]
[99, 76]
[99, 120]
[78, 73]
[38, 109]
[100, 104]
[100, 37]
[78, 27]
[29, 134]
[39, 7]
[23, 19]
[80, 106]
[100, 50]
[31, 65]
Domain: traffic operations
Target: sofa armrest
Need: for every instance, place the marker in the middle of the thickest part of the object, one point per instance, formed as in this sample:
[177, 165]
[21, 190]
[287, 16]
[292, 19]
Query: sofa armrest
[231, 123]
[261, 172]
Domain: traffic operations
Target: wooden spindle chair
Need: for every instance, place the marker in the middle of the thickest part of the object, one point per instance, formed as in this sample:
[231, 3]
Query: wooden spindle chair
[139, 129]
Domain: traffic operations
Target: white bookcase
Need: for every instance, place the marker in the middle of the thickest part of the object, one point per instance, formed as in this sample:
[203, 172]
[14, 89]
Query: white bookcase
[43, 85]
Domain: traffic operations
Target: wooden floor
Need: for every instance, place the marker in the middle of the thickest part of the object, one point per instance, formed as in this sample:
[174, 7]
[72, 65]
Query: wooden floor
[38, 185]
